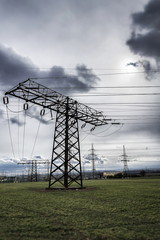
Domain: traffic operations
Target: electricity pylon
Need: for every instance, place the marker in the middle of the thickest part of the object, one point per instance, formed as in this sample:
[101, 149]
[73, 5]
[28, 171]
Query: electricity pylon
[93, 155]
[125, 161]
[33, 164]
[93, 160]
[66, 160]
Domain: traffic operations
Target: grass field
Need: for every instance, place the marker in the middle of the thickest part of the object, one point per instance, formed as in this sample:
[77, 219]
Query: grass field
[108, 209]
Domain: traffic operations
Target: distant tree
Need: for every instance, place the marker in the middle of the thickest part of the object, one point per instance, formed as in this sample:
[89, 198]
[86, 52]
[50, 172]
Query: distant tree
[142, 173]
[118, 175]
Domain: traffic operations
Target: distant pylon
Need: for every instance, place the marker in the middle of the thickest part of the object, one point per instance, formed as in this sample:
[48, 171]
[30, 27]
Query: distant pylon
[33, 164]
[34, 171]
[93, 161]
[125, 162]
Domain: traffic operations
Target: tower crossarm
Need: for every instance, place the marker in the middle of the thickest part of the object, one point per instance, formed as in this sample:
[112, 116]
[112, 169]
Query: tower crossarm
[38, 94]
[31, 161]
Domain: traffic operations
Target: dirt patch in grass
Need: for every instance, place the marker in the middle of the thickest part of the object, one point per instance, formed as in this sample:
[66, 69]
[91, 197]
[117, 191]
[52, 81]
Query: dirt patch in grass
[62, 189]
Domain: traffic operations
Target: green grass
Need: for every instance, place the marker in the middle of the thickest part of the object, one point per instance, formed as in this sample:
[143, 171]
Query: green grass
[126, 209]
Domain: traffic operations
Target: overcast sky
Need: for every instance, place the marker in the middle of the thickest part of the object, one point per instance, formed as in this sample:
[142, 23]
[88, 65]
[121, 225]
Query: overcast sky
[114, 44]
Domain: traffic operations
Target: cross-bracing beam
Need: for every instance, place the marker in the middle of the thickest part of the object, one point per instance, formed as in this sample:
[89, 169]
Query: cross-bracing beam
[38, 94]
[65, 162]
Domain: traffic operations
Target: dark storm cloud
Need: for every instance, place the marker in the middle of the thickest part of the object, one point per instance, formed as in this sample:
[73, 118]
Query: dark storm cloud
[134, 64]
[14, 120]
[83, 79]
[150, 71]
[146, 41]
[149, 18]
[147, 44]
[15, 68]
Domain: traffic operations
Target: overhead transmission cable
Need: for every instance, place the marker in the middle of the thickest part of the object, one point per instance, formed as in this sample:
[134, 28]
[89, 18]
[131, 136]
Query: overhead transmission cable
[108, 87]
[110, 133]
[35, 139]
[6, 101]
[116, 94]
[89, 132]
[99, 74]
[18, 130]
[126, 103]
[25, 107]
[103, 87]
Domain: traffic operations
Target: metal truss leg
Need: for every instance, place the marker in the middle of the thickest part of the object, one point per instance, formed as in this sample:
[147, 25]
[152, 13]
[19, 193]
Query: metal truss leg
[66, 162]
[125, 170]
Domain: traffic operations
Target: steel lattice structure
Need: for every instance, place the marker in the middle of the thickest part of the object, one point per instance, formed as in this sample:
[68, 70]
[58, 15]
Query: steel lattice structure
[33, 164]
[66, 161]
[125, 161]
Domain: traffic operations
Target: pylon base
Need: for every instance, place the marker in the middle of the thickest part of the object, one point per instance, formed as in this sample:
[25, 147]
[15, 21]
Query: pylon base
[64, 189]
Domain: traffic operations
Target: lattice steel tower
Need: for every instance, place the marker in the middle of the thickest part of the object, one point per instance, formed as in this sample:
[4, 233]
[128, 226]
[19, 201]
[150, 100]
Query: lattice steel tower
[33, 164]
[93, 155]
[65, 161]
[125, 161]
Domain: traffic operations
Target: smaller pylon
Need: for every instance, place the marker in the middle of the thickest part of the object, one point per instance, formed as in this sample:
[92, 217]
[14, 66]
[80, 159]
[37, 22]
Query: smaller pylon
[34, 171]
[93, 161]
[34, 164]
[93, 158]
[125, 162]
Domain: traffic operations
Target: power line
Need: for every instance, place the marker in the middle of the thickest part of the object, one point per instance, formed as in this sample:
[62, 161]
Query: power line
[87, 68]
[143, 104]
[137, 115]
[108, 87]
[99, 74]
[129, 149]
[126, 73]
[116, 94]
[102, 87]
[107, 135]
[35, 138]
[126, 103]
[130, 142]
[10, 135]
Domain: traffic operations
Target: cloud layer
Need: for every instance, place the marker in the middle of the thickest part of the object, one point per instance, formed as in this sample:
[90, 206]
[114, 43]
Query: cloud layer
[145, 37]
[15, 68]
